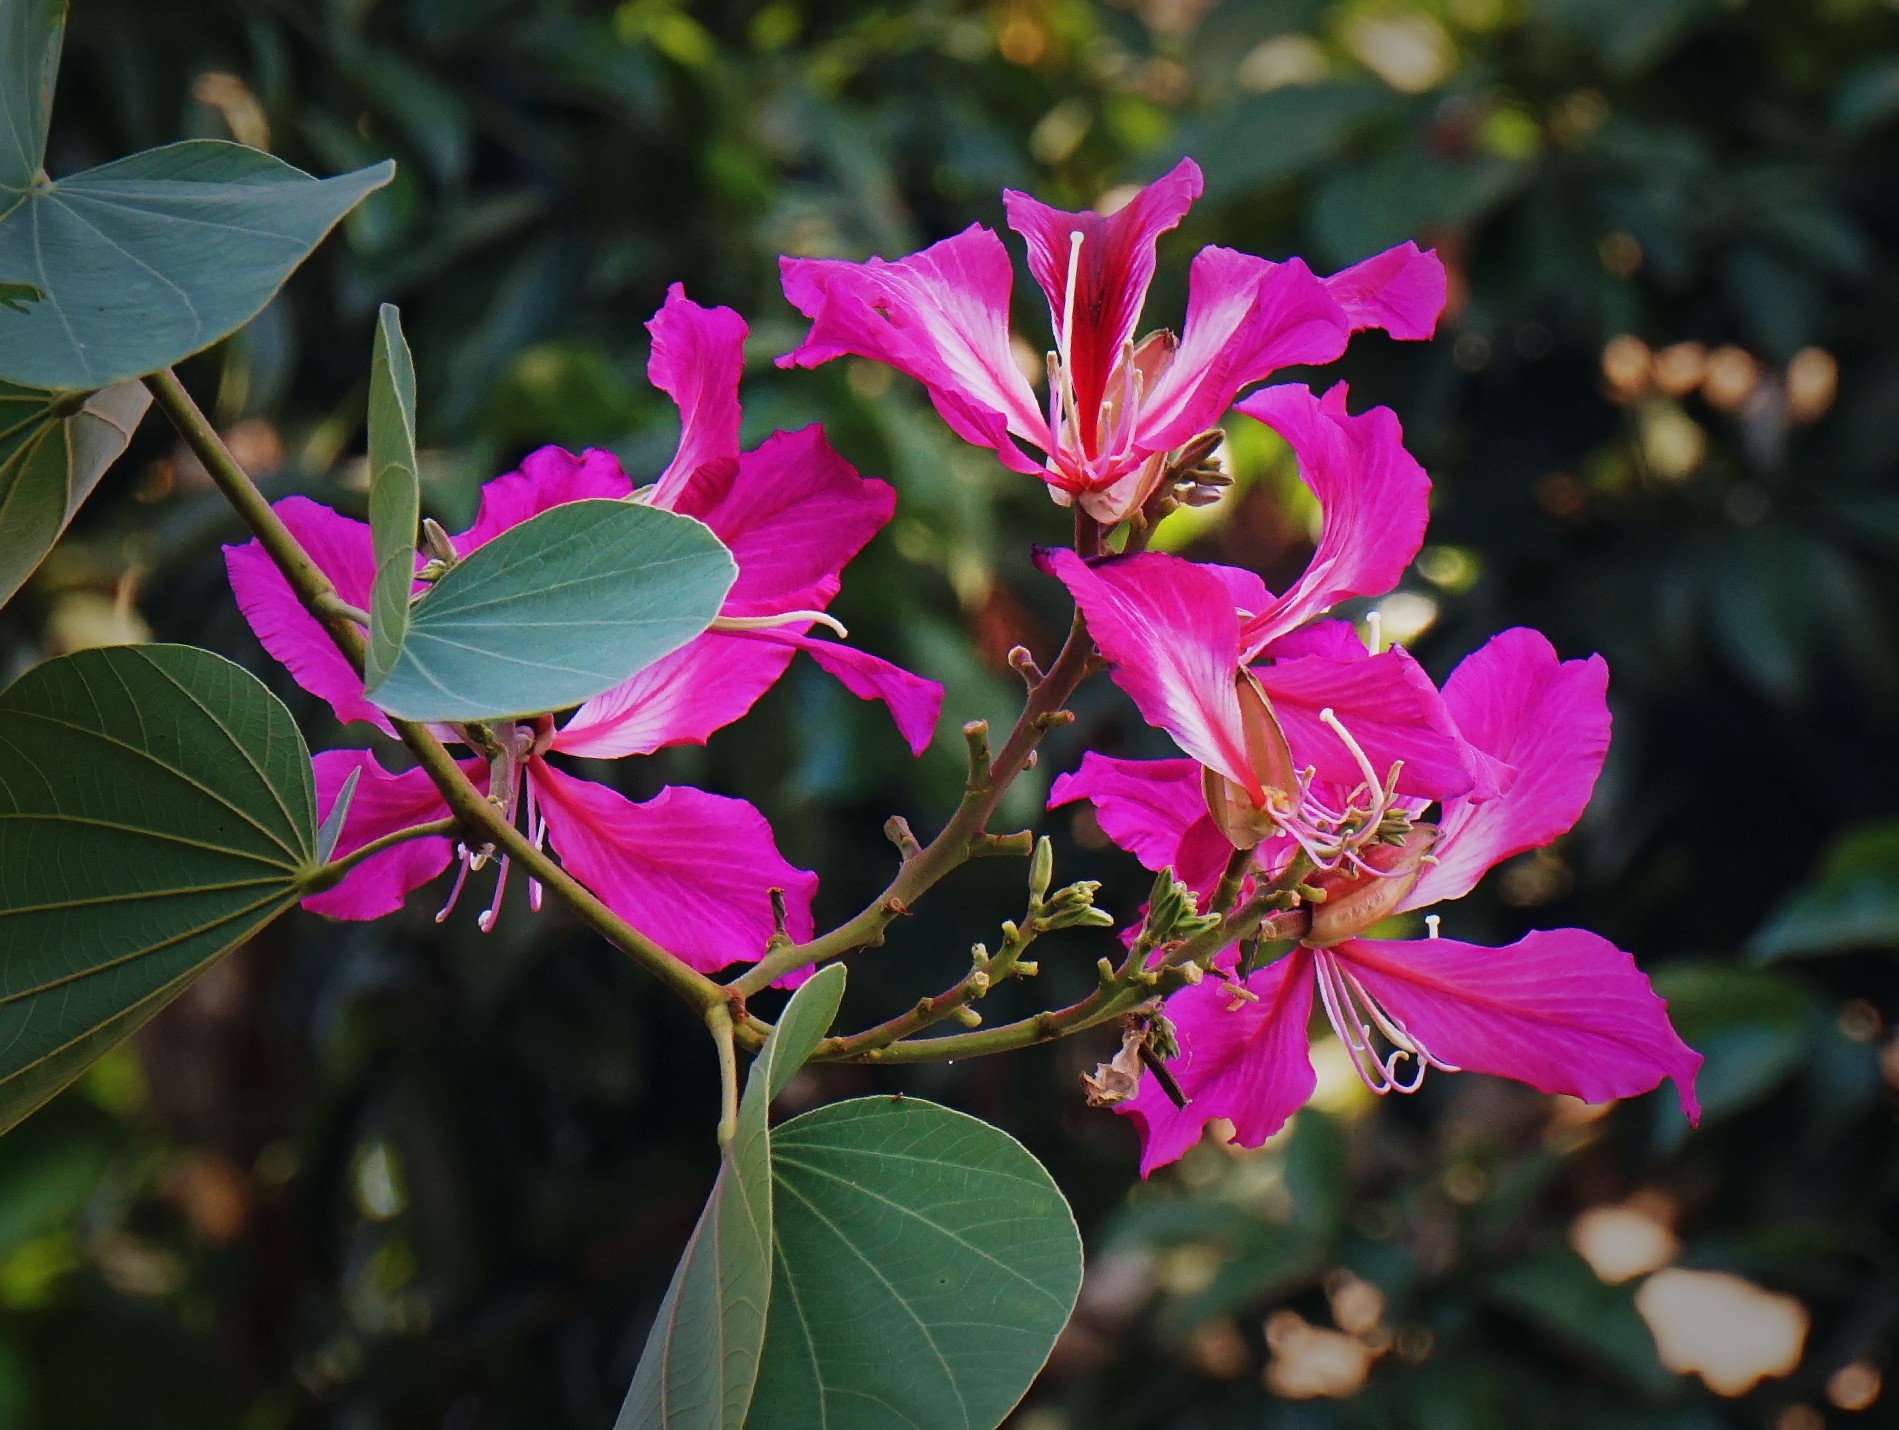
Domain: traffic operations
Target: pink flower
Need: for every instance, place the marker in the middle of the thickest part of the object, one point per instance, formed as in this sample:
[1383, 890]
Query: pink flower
[691, 870]
[1115, 407]
[1564, 1011]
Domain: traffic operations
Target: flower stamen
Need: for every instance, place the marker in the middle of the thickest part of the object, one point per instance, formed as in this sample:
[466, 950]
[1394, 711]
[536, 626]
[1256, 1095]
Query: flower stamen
[787, 618]
[1353, 1014]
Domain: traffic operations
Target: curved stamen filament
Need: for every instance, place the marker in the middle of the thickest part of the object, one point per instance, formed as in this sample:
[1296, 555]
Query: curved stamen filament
[1354, 1013]
[486, 920]
[461, 877]
[788, 618]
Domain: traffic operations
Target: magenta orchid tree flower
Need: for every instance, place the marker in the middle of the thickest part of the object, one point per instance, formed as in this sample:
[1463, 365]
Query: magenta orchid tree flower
[689, 869]
[1563, 1010]
[1116, 407]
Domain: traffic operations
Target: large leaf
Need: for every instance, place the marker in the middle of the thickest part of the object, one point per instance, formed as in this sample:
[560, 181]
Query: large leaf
[151, 258]
[395, 493]
[156, 809]
[30, 33]
[53, 450]
[555, 611]
[701, 1356]
[1852, 903]
[924, 1264]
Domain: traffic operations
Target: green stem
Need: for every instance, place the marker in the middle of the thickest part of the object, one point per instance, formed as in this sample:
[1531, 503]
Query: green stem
[334, 872]
[959, 840]
[719, 1024]
[481, 819]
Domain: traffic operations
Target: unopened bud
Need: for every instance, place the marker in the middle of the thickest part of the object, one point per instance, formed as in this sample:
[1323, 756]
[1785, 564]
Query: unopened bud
[1041, 869]
[968, 1017]
[436, 539]
[977, 983]
[1162, 1036]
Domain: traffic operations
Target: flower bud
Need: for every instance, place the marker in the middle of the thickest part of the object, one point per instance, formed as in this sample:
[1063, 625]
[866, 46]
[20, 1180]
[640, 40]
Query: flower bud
[1041, 869]
[1354, 900]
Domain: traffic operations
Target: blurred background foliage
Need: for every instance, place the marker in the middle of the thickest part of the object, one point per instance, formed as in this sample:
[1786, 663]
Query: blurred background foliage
[404, 1175]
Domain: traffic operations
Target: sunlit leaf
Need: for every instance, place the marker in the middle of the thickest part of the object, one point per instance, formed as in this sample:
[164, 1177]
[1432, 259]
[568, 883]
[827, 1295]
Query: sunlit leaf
[924, 1264]
[555, 611]
[701, 1356]
[395, 494]
[53, 450]
[156, 809]
[146, 260]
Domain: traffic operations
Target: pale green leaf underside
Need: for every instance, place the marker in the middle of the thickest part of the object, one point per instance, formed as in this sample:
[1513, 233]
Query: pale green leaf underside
[156, 809]
[701, 1356]
[151, 258]
[556, 610]
[395, 494]
[49, 466]
[30, 34]
[924, 1264]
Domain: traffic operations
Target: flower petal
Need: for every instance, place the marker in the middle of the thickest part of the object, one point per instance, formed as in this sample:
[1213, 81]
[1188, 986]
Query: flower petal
[1115, 267]
[940, 316]
[1374, 496]
[1565, 1011]
[1389, 706]
[914, 703]
[697, 359]
[690, 870]
[1168, 627]
[679, 699]
[1246, 318]
[1335, 640]
[547, 478]
[793, 513]
[342, 551]
[1244, 1061]
[1514, 700]
[382, 804]
[1400, 290]
[1144, 806]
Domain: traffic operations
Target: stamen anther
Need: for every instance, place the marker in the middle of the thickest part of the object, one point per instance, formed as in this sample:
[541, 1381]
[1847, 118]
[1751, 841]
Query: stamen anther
[1431, 922]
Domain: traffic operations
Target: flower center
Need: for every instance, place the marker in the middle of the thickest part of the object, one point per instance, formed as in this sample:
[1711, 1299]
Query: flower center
[507, 772]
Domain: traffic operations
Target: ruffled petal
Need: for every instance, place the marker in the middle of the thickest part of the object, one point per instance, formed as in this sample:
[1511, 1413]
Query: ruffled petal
[697, 360]
[1400, 290]
[1389, 706]
[913, 702]
[1168, 627]
[382, 804]
[1564, 1011]
[342, 551]
[1375, 498]
[1116, 266]
[793, 513]
[548, 478]
[1515, 701]
[690, 870]
[1335, 640]
[1246, 318]
[1144, 806]
[1244, 1061]
[680, 699]
[940, 316]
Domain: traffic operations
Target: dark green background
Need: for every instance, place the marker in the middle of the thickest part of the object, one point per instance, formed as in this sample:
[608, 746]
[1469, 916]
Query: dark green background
[403, 1175]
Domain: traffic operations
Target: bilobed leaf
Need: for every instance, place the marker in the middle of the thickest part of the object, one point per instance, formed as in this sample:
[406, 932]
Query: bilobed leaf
[156, 809]
[52, 454]
[924, 1264]
[31, 32]
[395, 494]
[701, 1356]
[148, 259]
[556, 610]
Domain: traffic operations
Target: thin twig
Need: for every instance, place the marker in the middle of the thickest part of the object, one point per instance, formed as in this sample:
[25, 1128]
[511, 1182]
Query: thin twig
[334, 872]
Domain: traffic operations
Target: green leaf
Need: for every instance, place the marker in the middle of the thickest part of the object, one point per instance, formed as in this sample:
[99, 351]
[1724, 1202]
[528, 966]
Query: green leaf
[151, 258]
[1752, 1028]
[331, 829]
[1559, 1292]
[701, 1356]
[556, 610]
[1852, 903]
[395, 494]
[31, 33]
[1273, 138]
[156, 809]
[924, 1265]
[52, 454]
